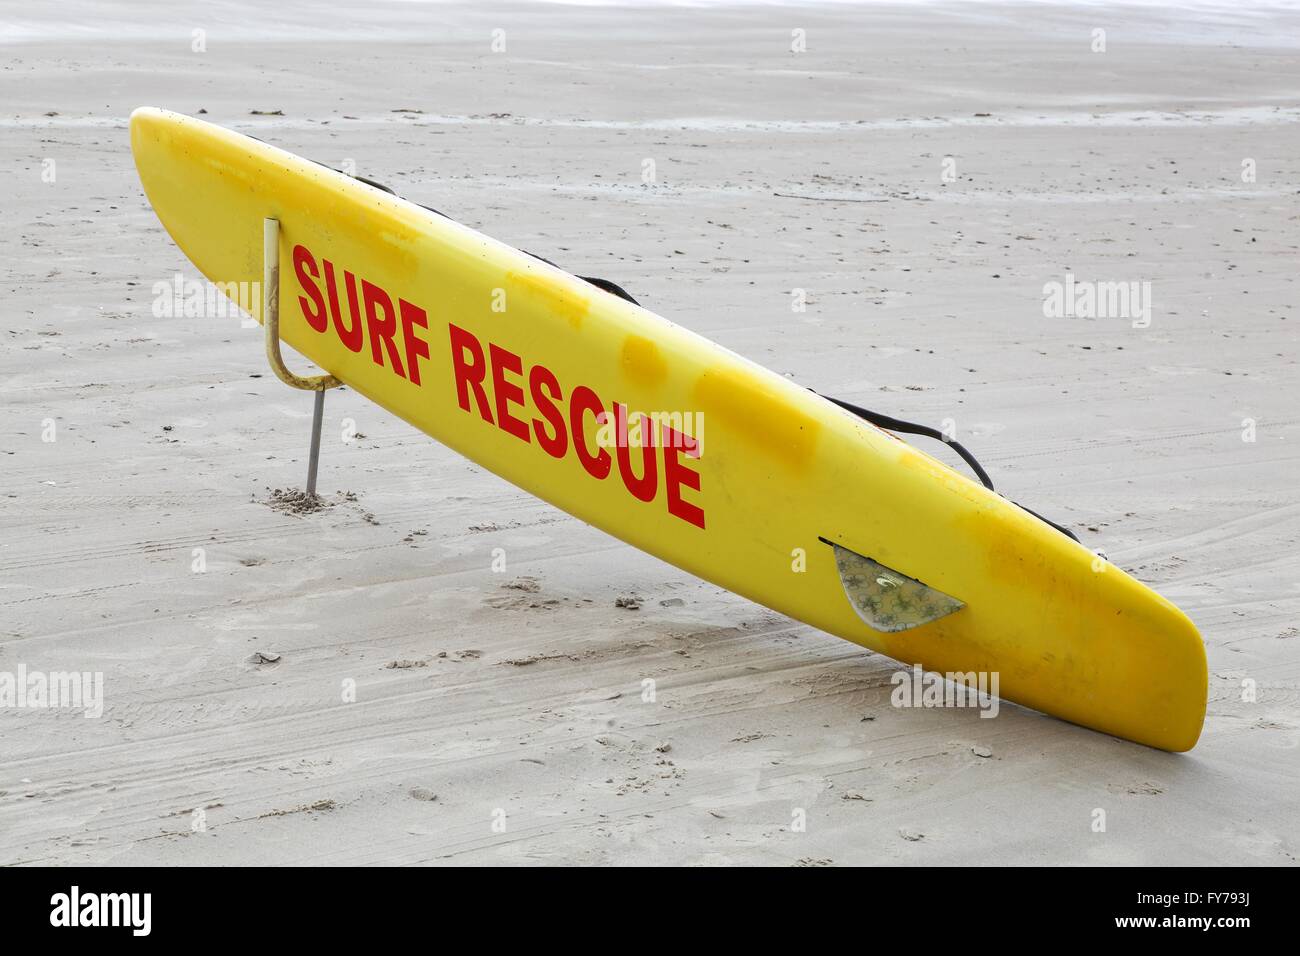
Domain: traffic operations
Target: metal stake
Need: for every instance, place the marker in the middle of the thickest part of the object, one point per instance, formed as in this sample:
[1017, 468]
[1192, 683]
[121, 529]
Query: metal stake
[271, 322]
[313, 460]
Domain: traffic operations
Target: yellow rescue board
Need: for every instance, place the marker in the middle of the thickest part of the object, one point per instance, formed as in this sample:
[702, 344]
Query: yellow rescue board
[510, 361]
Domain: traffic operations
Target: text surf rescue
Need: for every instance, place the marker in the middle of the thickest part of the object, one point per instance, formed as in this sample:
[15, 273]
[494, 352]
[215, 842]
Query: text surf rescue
[494, 384]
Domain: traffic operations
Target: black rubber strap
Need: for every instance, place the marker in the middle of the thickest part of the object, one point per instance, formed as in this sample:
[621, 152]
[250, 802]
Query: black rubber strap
[912, 428]
[610, 287]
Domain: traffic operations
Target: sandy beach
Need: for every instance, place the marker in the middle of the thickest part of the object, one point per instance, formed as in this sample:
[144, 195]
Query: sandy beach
[921, 171]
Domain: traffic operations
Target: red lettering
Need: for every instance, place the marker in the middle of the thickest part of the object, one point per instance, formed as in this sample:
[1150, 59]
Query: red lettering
[645, 487]
[677, 474]
[303, 263]
[349, 336]
[582, 400]
[416, 348]
[539, 377]
[507, 393]
[468, 375]
[381, 330]
[373, 314]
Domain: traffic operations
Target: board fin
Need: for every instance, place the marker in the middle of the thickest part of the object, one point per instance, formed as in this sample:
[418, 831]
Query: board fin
[888, 600]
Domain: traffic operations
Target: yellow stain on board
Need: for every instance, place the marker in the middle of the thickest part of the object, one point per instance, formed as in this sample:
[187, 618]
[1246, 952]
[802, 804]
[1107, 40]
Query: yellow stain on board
[562, 302]
[642, 362]
[747, 408]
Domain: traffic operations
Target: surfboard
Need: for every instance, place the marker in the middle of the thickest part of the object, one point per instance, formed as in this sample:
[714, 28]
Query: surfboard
[673, 443]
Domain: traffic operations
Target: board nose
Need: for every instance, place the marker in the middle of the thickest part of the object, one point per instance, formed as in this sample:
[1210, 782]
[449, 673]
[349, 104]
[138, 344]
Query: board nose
[146, 125]
[142, 117]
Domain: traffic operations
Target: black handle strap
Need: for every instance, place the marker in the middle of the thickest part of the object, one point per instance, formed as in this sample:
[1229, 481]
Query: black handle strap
[912, 428]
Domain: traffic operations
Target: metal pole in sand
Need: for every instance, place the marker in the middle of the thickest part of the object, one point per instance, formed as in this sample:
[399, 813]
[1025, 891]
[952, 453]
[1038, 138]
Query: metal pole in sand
[271, 323]
[318, 412]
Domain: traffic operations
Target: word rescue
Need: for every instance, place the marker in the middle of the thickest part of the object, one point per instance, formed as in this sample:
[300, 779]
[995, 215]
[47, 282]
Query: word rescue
[528, 403]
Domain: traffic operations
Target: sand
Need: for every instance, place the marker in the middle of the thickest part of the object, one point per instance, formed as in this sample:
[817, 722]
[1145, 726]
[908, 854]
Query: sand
[357, 685]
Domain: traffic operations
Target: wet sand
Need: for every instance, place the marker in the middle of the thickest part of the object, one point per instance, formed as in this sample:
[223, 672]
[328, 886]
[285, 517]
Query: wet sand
[498, 717]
